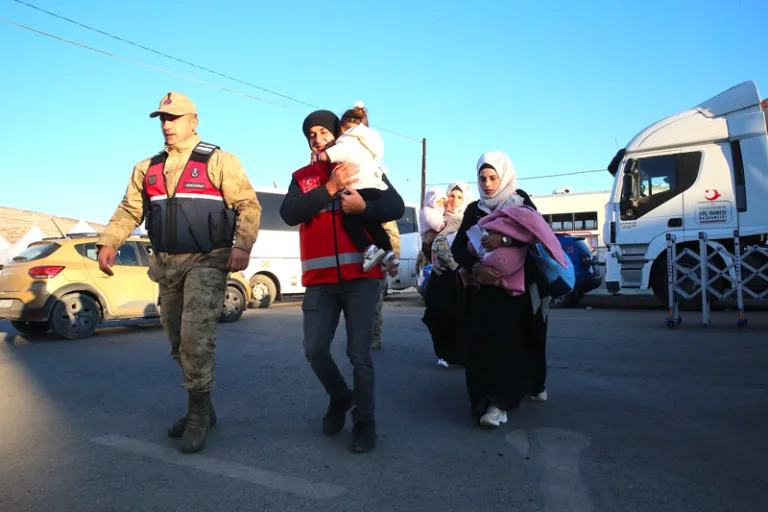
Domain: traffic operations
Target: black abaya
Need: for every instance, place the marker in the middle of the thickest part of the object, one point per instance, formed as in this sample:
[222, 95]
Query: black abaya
[506, 353]
[445, 316]
[497, 370]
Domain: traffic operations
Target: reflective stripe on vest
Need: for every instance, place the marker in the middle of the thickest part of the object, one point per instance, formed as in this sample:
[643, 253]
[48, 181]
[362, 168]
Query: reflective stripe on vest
[192, 219]
[330, 261]
[328, 254]
[187, 196]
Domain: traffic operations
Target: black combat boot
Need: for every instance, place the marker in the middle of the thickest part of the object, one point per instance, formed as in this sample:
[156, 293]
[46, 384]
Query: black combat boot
[198, 422]
[177, 429]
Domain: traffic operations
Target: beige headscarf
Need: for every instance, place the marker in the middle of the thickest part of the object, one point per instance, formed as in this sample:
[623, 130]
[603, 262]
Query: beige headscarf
[453, 219]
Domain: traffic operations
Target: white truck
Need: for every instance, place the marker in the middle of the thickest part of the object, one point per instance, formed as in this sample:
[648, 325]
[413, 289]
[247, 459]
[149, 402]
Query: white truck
[701, 170]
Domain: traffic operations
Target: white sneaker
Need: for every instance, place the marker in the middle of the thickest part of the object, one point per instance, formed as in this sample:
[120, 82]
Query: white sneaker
[493, 417]
[389, 262]
[541, 397]
[372, 257]
[443, 363]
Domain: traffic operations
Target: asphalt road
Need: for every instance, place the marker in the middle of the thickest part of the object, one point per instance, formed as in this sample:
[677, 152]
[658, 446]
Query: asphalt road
[640, 418]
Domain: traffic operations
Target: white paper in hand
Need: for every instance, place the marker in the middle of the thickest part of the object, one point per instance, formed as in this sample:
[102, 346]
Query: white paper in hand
[475, 235]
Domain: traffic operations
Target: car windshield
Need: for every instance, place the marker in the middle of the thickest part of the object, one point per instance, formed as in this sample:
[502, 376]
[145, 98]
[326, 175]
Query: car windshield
[36, 252]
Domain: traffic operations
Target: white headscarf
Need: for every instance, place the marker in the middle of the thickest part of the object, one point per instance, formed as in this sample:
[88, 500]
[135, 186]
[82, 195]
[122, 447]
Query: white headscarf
[506, 194]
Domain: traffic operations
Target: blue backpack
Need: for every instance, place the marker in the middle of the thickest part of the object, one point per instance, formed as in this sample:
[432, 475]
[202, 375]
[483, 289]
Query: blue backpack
[553, 280]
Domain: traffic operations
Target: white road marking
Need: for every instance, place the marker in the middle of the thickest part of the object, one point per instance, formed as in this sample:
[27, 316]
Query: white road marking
[297, 486]
[561, 450]
[519, 439]
[560, 454]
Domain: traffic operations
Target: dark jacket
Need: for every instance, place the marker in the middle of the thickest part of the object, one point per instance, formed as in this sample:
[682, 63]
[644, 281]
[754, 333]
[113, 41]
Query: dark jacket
[299, 207]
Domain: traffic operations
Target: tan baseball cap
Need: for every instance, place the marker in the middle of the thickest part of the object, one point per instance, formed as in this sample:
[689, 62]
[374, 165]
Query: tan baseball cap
[175, 104]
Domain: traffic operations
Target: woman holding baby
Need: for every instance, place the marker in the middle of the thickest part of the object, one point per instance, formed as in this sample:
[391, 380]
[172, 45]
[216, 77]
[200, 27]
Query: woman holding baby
[446, 301]
[505, 358]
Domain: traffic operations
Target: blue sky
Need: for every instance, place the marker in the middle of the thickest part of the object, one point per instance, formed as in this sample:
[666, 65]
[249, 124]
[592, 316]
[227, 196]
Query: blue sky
[555, 85]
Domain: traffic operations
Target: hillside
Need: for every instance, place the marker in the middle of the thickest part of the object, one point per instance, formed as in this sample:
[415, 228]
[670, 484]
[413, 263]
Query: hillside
[14, 223]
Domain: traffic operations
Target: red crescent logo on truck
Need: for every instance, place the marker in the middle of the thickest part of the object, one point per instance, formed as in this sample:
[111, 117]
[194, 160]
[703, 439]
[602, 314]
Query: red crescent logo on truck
[711, 195]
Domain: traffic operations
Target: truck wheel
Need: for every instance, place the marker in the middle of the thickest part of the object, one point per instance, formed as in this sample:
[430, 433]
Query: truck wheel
[75, 316]
[30, 328]
[234, 305]
[264, 290]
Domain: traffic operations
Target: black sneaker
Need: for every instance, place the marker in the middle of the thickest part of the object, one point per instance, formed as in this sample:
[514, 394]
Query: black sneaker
[336, 415]
[364, 436]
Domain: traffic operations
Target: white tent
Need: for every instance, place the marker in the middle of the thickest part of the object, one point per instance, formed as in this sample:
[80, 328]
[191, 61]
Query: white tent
[33, 235]
[81, 227]
[4, 244]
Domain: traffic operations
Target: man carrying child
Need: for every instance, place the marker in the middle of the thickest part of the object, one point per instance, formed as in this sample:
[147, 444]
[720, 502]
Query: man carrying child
[334, 277]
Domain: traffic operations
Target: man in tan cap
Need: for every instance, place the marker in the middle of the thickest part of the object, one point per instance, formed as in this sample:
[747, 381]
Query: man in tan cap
[202, 217]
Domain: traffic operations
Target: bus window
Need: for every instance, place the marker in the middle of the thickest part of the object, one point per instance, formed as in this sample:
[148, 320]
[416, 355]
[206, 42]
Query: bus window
[407, 223]
[270, 212]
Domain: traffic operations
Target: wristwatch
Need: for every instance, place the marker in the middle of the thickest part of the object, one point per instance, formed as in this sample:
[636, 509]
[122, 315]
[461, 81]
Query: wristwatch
[506, 241]
[474, 268]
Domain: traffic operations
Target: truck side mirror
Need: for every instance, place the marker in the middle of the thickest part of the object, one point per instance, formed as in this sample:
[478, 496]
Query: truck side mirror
[626, 187]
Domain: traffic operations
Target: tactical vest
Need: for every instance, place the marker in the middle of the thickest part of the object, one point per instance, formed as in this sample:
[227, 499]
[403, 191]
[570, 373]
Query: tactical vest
[328, 254]
[195, 218]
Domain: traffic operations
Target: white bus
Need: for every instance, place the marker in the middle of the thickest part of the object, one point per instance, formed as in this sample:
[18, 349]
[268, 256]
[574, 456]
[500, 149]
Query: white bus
[275, 267]
[580, 214]
[410, 247]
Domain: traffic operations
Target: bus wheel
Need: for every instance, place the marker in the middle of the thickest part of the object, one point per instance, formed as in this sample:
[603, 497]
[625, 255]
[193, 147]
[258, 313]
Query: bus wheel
[264, 290]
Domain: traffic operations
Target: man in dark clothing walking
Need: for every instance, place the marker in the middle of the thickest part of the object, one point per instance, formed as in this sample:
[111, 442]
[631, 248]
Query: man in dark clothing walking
[333, 275]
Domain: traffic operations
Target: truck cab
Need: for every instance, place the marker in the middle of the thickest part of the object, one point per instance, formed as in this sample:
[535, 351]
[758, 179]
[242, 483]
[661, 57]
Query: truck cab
[702, 170]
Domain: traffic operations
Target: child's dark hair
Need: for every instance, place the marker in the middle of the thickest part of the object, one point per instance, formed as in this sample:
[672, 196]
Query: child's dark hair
[357, 115]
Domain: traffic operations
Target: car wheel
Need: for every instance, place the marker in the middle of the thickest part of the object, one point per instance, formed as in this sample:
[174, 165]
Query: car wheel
[569, 300]
[75, 316]
[264, 290]
[234, 305]
[30, 328]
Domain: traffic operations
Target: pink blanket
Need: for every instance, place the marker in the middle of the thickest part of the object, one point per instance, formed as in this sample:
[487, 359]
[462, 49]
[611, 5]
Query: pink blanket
[523, 224]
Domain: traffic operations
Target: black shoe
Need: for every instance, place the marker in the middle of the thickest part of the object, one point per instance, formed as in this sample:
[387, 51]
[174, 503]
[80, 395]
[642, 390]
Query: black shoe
[364, 436]
[336, 415]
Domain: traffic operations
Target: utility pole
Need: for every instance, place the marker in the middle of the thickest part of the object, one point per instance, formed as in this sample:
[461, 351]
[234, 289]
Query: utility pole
[423, 170]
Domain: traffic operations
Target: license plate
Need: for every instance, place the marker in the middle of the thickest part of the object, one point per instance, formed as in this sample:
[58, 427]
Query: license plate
[6, 304]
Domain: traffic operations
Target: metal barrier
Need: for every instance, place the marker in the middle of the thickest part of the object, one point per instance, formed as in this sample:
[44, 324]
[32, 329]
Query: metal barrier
[713, 264]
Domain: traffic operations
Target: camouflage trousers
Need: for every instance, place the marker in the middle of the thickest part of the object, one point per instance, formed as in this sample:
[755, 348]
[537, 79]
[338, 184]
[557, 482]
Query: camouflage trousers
[377, 320]
[189, 311]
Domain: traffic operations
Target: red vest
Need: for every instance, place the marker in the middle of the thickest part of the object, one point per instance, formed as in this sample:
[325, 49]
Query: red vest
[327, 253]
[195, 219]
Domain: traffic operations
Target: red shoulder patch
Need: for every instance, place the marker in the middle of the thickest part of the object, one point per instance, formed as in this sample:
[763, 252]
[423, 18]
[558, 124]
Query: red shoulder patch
[309, 183]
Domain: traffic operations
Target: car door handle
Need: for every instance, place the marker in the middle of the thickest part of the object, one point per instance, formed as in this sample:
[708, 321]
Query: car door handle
[675, 222]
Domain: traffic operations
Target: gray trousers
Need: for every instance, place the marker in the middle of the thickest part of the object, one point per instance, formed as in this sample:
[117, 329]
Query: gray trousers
[322, 306]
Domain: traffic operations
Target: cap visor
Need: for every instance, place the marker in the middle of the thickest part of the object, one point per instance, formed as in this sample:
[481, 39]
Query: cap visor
[174, 114]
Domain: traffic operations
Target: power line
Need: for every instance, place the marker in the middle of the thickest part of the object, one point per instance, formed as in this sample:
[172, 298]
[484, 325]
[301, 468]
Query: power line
[119, 57]
[161, 53]
[536, 177]
[118, 38]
